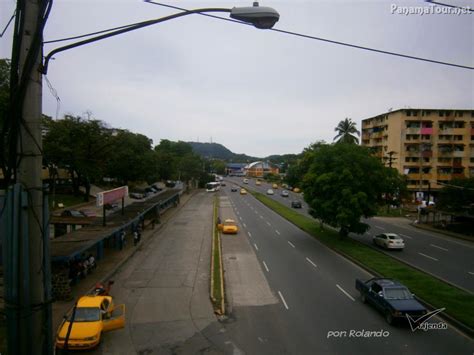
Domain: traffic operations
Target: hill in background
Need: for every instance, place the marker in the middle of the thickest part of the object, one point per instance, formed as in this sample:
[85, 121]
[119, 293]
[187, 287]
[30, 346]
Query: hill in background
[218, 151]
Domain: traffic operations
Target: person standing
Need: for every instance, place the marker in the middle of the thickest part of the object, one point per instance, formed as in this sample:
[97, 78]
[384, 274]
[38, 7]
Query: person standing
[135, 238]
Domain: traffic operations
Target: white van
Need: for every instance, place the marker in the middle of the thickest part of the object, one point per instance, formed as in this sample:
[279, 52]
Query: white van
[246, 181]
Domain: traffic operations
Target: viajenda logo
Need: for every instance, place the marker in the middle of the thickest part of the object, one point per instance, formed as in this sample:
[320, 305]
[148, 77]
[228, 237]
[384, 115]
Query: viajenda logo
[422, 322]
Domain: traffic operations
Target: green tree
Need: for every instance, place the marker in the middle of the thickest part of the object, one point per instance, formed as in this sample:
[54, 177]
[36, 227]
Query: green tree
[79, 145]
[457, 196]
[346, 131]
[131, 158]
[218, 166]
[344, 183]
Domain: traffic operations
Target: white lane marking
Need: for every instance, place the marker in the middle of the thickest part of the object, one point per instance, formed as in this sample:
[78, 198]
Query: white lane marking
[380, 228]
[283, 300]
[427, 256]
[348, 295]
[255, 245]
[250, 235]
[266, 267]
[236, 211]
[311, 262]
[406, 236]
[291, 244]
[437, 246]
[261, 216]
[472, 273]
[269, 223]
[277, 232]
[245, 226]
[240, 218]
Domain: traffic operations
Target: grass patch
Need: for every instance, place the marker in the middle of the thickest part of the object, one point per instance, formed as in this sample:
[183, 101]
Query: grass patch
[217, 296]
[458, 303]
[66, 200]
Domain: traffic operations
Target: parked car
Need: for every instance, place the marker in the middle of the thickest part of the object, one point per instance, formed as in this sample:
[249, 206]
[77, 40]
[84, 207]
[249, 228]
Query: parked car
[275, 186]
[296, 190]
[285, 193]
[389, 241]
[156, 187]
[243, 192]
[229, 227]
[136, 195]
[296, 204]
[270, 192]
[72, 213]
[391, 298]
[170, 183]
[93, 315]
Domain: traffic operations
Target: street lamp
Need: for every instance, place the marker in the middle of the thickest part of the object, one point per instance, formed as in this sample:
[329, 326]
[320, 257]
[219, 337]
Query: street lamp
[260, 17]
[27, 273]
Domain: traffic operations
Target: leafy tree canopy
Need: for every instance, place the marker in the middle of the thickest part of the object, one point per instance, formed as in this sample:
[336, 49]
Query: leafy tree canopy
[346, 132]
[457, 196]
[344, 183]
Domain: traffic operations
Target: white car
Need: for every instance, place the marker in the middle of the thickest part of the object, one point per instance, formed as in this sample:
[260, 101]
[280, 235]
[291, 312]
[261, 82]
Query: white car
[285, 193]
[389, 241]
[246, 181]
[270, 192]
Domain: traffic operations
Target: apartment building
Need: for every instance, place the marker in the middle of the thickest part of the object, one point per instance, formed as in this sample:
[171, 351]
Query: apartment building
[429, 146]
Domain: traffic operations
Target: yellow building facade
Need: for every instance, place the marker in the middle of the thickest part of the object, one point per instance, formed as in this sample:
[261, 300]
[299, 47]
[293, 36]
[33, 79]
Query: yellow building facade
[429, 146]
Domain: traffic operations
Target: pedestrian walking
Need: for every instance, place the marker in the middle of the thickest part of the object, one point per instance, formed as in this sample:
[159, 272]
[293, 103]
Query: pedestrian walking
[135, 238]
[122, 240]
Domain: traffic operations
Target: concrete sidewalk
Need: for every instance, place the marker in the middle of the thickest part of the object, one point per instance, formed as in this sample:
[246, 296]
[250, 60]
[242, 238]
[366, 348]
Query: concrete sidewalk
[112, 260]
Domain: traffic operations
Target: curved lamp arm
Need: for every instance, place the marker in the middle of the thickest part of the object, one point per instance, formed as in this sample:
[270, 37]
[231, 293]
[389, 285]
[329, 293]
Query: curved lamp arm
[132, 27]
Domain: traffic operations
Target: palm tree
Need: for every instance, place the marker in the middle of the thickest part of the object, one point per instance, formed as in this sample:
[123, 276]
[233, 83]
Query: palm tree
[346, 130]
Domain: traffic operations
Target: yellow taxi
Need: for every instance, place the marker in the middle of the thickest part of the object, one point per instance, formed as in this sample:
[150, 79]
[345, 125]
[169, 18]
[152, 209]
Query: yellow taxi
[243, 192]
[274, 186]
[296, 190]
[92, 316]
[229, 227]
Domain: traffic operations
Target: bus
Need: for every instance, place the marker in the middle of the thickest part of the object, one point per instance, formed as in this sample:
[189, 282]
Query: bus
[213, 186]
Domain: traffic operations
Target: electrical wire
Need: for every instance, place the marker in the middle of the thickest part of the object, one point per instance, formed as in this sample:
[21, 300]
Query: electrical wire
[327, 40]
[465, 8]
[8, 24]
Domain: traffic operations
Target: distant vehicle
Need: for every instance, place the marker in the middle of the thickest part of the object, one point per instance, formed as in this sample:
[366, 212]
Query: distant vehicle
[156, 187]
[243, 192]
[151, 190]
[274, 186]
[246, 181]
[233, 189]
[296, 204]
[170, 183]
[285, 193]
[391, 298]
[296, 190]
[213, 186]
[229, 227]
[72, 213]
[136, 195]
[285, 186]
[270, 192]
[93, 315]
[222, 183]
[389, 241]
[258, 182]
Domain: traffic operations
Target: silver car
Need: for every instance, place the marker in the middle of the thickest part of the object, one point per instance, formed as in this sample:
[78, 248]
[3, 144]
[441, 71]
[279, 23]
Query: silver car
[270, 192]
[389, 241]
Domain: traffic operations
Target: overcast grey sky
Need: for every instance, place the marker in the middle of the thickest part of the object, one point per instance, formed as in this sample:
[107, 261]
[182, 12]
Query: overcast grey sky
[257, 92]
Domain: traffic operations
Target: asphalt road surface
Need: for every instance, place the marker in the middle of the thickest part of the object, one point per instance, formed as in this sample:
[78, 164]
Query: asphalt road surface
[445, 257]
[318, 304]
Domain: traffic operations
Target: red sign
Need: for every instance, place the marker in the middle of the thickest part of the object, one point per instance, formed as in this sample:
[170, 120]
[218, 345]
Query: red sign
[104, 197]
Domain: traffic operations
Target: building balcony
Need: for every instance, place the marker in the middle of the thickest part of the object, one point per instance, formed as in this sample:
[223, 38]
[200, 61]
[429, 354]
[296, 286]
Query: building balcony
[445, 131]
[412, 131]
[427, 130]
[459, 154]
[427, 153]
[460, 131]
[413, 153]
[458, 176]
[443, 176]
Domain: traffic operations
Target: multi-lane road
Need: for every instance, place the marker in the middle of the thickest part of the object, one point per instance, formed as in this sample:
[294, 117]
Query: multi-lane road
[447, 258]
[319, 310]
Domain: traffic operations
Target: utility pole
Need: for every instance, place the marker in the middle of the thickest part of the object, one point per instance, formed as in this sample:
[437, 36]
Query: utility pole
[29, 322]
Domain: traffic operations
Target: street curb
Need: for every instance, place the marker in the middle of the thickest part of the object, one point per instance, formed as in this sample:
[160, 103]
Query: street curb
[445, 233]
[454, 322]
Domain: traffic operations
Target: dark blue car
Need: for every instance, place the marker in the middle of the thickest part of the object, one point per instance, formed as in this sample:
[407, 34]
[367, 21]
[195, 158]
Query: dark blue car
[391, 298]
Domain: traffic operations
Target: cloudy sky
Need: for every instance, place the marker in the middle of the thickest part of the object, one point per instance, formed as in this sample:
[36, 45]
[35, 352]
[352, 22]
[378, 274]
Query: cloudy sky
[255, 91]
